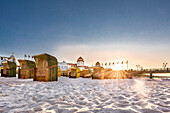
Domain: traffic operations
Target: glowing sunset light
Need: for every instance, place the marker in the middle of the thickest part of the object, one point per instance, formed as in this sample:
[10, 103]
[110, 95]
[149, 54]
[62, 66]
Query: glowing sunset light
[117, 67]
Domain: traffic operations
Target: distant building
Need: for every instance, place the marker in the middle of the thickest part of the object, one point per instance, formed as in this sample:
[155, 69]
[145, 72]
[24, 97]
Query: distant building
[72, 64]
[64, 66]
[90, 68]
[80, 63]
[4, 58]
[97, 64]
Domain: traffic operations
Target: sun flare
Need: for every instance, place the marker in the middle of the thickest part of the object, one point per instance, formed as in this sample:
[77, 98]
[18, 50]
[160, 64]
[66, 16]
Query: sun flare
[117, 67]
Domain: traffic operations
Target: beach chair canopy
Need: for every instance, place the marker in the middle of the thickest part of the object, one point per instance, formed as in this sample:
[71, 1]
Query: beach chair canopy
[50, 59]
[10, 64]
[30, 64]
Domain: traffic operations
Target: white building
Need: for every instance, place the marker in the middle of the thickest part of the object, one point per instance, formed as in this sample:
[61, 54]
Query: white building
[80, 63]
[64, 66]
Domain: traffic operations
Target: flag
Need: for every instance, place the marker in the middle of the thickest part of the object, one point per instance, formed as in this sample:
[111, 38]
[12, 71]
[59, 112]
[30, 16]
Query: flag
[117, 62]
[105, 63]
[109, 63]
[113, 63]
[32, 56]
[122, 62]
[127, 62]
[28, 56]
[25, 55]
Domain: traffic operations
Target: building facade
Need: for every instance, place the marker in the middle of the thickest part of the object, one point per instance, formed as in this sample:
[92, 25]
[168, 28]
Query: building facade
[80, 63]
[64, 66]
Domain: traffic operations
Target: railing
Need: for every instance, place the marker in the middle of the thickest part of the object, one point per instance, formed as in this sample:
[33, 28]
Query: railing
[150, 70]
[156, 70]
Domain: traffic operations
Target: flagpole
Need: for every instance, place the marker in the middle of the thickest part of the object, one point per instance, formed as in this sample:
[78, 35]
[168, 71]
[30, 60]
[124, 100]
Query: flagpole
[127, 64]
[122, 65]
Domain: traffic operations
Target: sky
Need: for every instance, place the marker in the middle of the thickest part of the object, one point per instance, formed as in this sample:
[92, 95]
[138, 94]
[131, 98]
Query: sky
[97, 30]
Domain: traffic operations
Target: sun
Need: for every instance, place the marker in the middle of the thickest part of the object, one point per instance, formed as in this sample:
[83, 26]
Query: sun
[117, 67]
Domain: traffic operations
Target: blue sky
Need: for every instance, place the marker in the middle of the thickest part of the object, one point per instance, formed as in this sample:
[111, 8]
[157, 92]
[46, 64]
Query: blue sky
[98, 30]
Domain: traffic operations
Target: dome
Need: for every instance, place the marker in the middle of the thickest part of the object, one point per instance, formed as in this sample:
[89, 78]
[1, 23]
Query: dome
[97, 64]
[12, 56]
[80, 59]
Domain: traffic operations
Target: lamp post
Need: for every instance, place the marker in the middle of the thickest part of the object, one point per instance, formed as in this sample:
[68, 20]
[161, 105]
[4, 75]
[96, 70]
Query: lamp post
[164, 65]
[141, 68]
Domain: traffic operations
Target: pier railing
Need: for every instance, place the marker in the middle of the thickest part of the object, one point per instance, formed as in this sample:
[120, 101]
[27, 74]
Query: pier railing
[152, 70]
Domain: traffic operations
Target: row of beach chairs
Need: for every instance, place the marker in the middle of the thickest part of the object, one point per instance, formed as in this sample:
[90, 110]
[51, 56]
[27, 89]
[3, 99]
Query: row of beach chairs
[45, 68]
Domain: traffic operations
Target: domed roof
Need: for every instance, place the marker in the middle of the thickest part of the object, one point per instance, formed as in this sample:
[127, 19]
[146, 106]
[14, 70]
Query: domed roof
[80, 59]
[12, 56]
[97, 64]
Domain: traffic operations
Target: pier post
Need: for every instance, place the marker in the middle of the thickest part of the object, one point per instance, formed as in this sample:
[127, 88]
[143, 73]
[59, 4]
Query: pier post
[151, 75]
[19, 73]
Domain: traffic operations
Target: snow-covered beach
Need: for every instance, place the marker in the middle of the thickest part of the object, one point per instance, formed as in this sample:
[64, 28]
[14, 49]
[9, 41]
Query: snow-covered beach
[84, 95]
